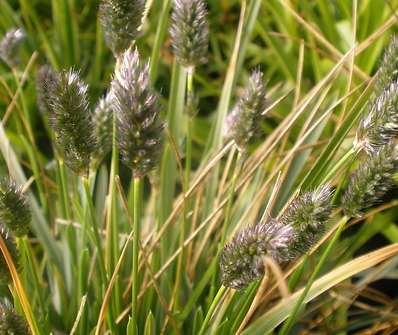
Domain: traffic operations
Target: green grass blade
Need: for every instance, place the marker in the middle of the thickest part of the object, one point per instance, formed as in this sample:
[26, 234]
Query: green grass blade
[271, 319]
[39, 224]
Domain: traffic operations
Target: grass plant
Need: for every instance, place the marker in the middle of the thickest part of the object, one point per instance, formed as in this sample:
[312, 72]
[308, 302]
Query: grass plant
[198, 167]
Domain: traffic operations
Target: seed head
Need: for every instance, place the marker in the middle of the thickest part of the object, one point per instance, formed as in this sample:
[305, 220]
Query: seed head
[189, 32]
[380, 125]
[388, 70]
[103, 126]
[11, 323]
[370, 181]
[71, 121]
[242, 259]
[46, 80]
[9, 240]
[9, 46]
[244, 120]
[121, 20]
[14, 208]
[307, 214]
[137, 107]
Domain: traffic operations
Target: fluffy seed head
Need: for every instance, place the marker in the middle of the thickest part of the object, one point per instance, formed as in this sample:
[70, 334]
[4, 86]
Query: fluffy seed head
[371, 180]
[244, 120]
[11, 323]
[9, 240]
[241, 260]
[71, 121]
[14, 208]
[103, 126]
[380, 125]
[46, 80]
[388, 70]
[137, 107]
[189, 32]
[307, 214]
[121, 20]
[9, 46]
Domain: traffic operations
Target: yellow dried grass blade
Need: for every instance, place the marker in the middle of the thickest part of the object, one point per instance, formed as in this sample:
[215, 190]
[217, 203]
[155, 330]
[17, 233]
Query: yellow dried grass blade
[19, 288]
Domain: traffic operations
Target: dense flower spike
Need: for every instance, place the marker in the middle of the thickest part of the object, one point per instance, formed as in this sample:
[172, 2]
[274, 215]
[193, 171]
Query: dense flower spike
[189, 32]
[307, 214]
[121, 20]
[380, 125]
[14, 208]
[137, 107]
[11, 323]
[9, 240]
[9, 46]
[388, 70]
[297, 229]
[46, 80]
[372, 179]
[242, 259]
[71, 121]
[103, 127]
[243, 121]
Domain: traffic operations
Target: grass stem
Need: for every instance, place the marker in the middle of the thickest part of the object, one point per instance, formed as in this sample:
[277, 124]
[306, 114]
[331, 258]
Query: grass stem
[94, 225]
[189, 103]
[136, 228]
[212, 308]
[290, 321]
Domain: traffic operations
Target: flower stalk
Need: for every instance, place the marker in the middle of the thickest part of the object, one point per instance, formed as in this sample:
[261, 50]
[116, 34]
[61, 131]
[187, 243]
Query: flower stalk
[92, 218]
[136, 227]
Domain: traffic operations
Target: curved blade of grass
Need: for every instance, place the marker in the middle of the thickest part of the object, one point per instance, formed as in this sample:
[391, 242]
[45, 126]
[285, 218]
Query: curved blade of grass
[8, 17]
[268, 321]
[160, 34]
[29, 14]
[325, 160]
[169, 165]
[243, 35]
[39, 224]
[282, 57]
[20, 289]
[66, 26]
[299, 161]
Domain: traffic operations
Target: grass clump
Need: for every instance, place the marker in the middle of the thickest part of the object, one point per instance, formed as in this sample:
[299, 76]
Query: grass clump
[145, 191]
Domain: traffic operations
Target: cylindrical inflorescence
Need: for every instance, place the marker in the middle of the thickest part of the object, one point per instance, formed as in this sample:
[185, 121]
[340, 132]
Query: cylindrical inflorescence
[371, 180]
[137, 108]
[243, 122]
[121, 20]
[242, 258]
[190, 32]
[71, 120]
[9, 46]
[10, 321]
[15, 211]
